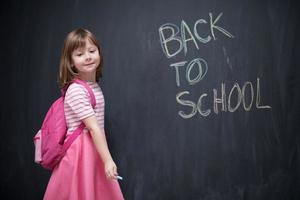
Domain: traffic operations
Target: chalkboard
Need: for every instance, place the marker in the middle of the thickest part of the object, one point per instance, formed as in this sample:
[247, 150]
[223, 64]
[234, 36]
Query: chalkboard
[201, 96]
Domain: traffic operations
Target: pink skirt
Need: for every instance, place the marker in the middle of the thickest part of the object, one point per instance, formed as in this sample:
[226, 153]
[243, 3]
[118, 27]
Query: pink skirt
[80, 175]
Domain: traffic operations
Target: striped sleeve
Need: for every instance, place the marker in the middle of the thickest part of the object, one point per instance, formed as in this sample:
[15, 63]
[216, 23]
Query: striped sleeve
[78, 102]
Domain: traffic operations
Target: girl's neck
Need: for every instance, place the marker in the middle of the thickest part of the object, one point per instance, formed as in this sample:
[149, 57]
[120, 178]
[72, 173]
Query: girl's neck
[87, 77]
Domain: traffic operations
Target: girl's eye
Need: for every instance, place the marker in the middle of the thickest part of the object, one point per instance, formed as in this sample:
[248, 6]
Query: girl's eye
[78, 54]
[92, 51]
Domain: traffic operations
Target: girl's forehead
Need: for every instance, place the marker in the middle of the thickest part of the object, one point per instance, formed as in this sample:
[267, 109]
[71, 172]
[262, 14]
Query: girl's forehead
[89, 42]
[85, 44]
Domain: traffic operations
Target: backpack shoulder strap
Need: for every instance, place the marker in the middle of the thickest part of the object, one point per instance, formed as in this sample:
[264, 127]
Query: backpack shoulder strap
[92, 96]
[78, 130]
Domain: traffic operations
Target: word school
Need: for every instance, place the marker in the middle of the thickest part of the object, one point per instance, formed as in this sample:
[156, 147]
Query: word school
[222, 100]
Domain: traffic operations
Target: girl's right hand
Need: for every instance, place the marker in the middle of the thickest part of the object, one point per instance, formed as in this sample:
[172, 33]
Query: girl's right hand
[110, 169]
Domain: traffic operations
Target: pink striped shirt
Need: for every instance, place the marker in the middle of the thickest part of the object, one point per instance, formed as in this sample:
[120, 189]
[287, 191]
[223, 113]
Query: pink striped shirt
[78, 105]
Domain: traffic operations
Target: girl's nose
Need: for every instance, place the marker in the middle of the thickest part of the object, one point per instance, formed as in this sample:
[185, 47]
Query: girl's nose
[87, 57]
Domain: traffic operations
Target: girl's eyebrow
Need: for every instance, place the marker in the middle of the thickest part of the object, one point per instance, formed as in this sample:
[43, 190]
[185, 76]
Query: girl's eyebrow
[92, 46]
[78, 49]
[83, 48]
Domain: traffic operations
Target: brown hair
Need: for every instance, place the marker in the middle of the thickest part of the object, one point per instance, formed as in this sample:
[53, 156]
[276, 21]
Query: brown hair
[75, 39]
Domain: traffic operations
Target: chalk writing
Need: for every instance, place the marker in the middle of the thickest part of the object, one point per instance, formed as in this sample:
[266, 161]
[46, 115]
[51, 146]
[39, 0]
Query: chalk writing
[170, 33]
[197, 62]
[223, 103]
[174, 40]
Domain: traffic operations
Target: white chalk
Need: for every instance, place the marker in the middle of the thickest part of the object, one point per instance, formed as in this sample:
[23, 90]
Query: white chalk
[119, 177]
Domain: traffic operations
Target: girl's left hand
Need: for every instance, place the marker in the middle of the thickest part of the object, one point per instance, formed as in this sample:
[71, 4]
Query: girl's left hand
[110, 169]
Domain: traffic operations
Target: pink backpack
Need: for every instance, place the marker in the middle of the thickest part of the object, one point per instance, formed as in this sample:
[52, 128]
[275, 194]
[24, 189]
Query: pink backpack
[49, 141]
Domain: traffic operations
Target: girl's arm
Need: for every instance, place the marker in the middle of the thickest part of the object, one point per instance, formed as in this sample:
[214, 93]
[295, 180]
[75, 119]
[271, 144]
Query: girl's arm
[100, 142]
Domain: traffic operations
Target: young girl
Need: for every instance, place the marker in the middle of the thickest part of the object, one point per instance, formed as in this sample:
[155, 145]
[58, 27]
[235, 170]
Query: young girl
[87, 171]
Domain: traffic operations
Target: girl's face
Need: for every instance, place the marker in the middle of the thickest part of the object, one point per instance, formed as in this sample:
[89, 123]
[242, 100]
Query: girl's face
[86, 59]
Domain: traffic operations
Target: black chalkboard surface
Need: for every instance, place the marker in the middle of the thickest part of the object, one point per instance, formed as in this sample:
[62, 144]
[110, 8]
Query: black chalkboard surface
[202, 97]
